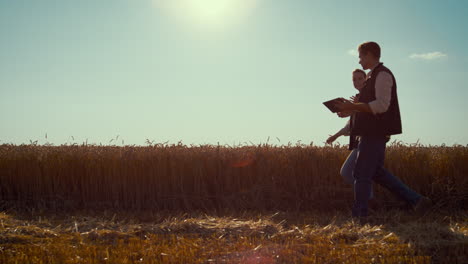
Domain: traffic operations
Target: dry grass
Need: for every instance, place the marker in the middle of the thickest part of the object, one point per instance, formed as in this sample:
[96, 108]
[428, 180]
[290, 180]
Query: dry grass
[248, 237]
[210, 177]
[225, 194]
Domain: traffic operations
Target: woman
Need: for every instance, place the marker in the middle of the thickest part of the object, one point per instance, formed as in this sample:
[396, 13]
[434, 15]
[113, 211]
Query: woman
[359, 81]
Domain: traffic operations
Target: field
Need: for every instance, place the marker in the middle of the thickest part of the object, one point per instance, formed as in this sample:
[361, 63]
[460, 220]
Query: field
[223, 204]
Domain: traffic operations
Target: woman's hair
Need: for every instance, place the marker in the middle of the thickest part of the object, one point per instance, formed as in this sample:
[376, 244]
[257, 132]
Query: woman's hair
[361, 71]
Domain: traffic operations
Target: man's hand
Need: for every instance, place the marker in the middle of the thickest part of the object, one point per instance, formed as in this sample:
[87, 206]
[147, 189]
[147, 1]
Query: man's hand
[347, 106]
[345, 114]
[344, 105]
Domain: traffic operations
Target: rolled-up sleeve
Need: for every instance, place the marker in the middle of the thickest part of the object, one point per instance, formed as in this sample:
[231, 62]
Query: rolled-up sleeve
[345, 131]
[383, 93]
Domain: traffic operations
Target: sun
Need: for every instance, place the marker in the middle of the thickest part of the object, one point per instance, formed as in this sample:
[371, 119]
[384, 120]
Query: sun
[208, 13]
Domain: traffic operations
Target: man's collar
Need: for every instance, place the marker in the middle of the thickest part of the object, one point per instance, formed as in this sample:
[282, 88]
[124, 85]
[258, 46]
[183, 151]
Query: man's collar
[373, 68]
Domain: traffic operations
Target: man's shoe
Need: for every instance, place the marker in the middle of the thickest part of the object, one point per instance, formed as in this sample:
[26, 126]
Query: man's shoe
[423, 205]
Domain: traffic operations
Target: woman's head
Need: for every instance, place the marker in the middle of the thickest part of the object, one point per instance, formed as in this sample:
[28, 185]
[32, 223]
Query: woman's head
[359, 78]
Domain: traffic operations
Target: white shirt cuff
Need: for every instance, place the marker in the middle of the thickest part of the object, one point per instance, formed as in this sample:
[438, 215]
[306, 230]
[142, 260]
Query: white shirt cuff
[374, 106]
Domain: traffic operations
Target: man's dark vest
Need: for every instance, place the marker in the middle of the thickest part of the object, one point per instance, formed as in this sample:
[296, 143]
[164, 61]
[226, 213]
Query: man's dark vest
[387, 123]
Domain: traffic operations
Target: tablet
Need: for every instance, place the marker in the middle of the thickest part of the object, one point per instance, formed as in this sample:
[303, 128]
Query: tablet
[331, 104]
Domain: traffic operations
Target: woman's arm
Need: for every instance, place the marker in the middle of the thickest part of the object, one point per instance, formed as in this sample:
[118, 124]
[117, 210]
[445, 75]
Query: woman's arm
[343, 132]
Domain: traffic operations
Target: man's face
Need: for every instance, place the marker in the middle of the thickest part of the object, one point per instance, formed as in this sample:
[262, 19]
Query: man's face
[365, 60]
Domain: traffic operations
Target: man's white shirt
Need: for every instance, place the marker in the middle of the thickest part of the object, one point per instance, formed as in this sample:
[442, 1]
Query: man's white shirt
[383, 92]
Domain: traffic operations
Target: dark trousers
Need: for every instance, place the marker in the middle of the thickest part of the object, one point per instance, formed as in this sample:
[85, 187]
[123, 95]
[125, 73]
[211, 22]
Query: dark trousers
[368, 168]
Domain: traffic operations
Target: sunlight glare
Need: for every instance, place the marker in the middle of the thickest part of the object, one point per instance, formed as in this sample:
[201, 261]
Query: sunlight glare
[209, 13]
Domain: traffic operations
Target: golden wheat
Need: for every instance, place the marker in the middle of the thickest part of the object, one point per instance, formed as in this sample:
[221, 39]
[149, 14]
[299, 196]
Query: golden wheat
[163, 176]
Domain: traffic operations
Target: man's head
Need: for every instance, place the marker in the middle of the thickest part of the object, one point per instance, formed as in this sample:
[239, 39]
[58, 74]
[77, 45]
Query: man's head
[359, 78]
[369, 54]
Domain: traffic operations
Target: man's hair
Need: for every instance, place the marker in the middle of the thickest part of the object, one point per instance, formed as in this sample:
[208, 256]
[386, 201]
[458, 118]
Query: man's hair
[361, 71]
[371, 47]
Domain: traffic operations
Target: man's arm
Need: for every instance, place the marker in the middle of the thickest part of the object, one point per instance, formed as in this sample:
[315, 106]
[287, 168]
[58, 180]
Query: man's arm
[383, 93]
[348, 106]
[362, 107]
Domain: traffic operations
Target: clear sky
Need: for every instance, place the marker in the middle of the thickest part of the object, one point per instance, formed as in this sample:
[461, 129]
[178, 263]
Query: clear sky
[228, 71]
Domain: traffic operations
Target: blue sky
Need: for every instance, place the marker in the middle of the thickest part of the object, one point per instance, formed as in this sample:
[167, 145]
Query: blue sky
[238, 72]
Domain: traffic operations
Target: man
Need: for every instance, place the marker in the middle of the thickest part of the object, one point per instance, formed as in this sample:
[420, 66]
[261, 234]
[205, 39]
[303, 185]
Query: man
[377, 116]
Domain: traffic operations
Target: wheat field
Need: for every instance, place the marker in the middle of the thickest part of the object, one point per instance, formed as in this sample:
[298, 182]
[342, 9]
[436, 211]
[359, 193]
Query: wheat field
[207, 177]
[173, 203]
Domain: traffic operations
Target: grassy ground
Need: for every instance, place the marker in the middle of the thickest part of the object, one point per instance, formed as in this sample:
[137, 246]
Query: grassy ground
[396, 236]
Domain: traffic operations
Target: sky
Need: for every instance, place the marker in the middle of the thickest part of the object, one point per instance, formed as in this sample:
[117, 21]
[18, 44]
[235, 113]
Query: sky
[222, 71]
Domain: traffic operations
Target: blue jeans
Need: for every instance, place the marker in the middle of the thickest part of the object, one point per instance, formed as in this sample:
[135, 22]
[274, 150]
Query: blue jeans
[348, 167]
[369, 167]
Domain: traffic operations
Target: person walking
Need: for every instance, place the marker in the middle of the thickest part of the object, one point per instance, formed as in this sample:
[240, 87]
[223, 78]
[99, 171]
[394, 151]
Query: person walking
[377, 116]
[359, 80]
